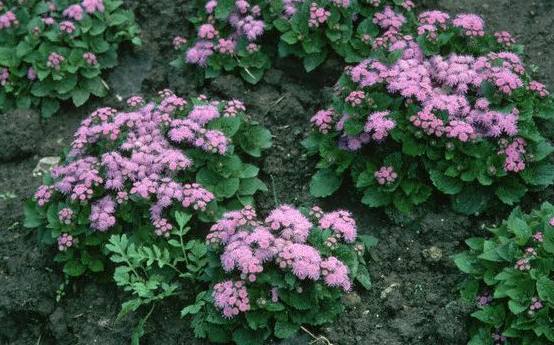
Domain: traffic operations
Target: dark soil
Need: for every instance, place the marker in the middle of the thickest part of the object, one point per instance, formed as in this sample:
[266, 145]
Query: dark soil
[414, 298]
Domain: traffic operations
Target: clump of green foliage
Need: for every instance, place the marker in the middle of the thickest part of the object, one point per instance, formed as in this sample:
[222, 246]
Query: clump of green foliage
[510, 279]
[54, 51]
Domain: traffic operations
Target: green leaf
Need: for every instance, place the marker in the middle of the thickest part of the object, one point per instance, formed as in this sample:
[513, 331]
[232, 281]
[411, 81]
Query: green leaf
[49, 107]
[313, 61]
[74, 268]
[226, 188]
[539, 175]
[511, 191]
[255, 139]
[545, 288]
[324, 183]
[290, 37]
[243, 336]
[249, 170]
[519, 227]
[470, 200]
[466, 263]
[363, 277]
[252, 75]
[373, 197]
[32, 217]
[80, 97]
[445, 184]
[224, 8]
[491, 315]
[284, 329]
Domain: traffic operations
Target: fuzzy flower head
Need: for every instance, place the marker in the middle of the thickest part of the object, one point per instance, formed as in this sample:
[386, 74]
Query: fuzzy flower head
[178, 42]
[4, 76]
[8, 20]
[335, 273]
[90, 58]
[65, 215]
[231, 297]
[92, 6]
[65, 241]
[54, 61]
[386, 175]
[199, 53]
[290, 223]
[318, 15]
[341, 223]
[74, 12]
[471, 24]
[323, 121]
[67, 27]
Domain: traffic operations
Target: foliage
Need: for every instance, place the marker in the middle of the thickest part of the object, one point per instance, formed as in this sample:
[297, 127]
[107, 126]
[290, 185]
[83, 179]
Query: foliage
[510, 277]
[249, 308]
[49, 55]
[434, 113]
[308, 30]
[130, 172]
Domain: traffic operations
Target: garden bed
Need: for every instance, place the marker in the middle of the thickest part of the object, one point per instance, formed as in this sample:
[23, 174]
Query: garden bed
[414, 298]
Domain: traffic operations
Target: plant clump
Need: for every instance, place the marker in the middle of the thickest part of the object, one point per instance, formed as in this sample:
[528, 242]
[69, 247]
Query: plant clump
[272, 276]
[231, 34]
[447, 108]
[130, 171]
[510, 280]
[56, 51]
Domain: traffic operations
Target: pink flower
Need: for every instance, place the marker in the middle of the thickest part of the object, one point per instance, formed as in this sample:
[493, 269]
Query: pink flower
[199, 53]
[304, 260]
[386, 175]
[323, 121]
[102, 214]
[135, 101]
[54, 61]
[378, 125]
[65, 241]
[207, 32]
[471, 24]
[341, 223]
[355, 98]
[335, 273]
[515, 156]
[231, 298]
[202, 114]
[43, 195]
[179, 41]
[318, 15]
[74, 12]
[505, 38]
[226, 46]
[90, 58]
[31, 74]
[290, 223]
[210, 6]
[539, 88]
[388, 19]
[4, 76]
[65, 215]
[341, 3]
[8, 20]
[435, 18]
[92, 6]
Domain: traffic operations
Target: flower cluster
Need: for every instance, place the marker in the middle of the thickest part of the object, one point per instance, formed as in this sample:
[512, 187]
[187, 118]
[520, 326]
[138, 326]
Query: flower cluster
[86, 33]
[519, 269]
[134, 168]
[250, 246]
[228, 34]
[411, 109]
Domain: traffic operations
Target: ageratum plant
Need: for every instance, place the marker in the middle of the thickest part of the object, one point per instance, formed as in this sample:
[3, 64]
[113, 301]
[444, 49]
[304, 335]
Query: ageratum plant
[52, 51]
[447, 108]
[510, 279]
[129, 172]
[271, 277]
[231, 33]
